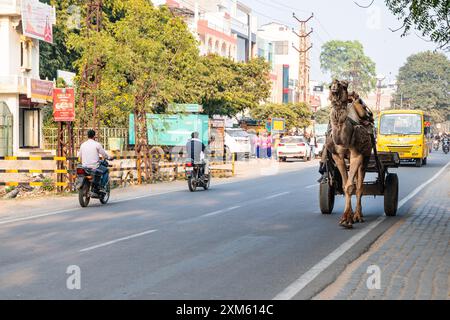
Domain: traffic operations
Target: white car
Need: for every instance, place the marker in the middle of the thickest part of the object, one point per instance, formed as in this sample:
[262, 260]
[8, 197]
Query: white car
[237, 141]
[320, 144]
[293, 147]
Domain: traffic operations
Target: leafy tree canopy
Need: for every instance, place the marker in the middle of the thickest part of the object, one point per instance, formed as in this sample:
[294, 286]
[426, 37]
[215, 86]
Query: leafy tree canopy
[345, 60]
[430, 17]
[424, 83]
[323, 115]
[230, 87]
[148, 57]
[296, 115]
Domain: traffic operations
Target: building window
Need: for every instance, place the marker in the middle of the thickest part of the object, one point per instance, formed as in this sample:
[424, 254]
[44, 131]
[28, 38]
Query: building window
[281, 47]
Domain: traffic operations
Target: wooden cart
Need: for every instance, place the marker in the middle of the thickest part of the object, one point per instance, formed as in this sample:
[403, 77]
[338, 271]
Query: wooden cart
[386, 184]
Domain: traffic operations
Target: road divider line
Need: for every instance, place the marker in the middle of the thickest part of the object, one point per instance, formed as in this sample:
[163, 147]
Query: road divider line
[117, 240]
[237, 180]
[312, 186]
[220, 211]
[298, 285]
[35, 216]
[277, 195]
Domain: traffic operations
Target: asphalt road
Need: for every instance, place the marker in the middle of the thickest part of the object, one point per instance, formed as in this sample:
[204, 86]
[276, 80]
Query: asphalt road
[250, 239]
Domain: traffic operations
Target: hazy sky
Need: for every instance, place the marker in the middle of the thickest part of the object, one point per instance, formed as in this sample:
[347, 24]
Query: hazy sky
[344, 20]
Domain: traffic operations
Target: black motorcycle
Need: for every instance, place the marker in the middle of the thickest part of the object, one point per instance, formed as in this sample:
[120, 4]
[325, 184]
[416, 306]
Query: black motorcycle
[196, 177]
[85, 184]
[436, 145]
[445, 145]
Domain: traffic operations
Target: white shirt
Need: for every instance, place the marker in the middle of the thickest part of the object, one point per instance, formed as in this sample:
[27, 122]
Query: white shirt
[90, 152]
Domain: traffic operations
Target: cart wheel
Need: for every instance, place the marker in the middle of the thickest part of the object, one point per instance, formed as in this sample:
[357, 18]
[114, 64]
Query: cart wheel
[326, 198]
[391, 195]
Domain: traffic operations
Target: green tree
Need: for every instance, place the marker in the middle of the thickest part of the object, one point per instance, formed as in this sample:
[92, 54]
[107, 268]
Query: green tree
[323, 115]
[430, 17]
[158, 63]
[345, 60]
[229, 87]
[295, 115]
[424, 83]
[146, 66]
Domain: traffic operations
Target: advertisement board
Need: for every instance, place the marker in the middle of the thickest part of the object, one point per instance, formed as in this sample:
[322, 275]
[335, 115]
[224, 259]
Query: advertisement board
[63, 104]
[37, 20]
[41, 90]
[172, 130]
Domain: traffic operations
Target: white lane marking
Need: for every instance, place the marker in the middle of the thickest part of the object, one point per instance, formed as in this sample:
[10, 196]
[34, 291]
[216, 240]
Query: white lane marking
[118, 240]
[312, 186]
[35, 216]
[238, 180]
[220, 211]
[294, 288]
[277, 195]
[72, 209]
[214, 213]
[147, 196]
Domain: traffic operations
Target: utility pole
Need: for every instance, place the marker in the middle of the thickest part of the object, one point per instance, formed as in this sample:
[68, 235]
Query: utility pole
[91, 75]
[304, 66]
[379, 84]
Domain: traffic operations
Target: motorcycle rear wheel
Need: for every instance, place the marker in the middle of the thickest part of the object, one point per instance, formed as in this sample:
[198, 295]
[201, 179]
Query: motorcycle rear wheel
[192, 185]
[83, 195]
[105, 198]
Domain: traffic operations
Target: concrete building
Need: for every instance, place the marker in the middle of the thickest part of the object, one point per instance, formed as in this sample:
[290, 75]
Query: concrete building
[285, 60]
[223, 27]
[22, 92]
[319, 95]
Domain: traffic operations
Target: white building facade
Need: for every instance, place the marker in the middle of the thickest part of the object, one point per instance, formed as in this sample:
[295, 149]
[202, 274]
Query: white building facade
[222, 27]
[22, 93]
[285, 61]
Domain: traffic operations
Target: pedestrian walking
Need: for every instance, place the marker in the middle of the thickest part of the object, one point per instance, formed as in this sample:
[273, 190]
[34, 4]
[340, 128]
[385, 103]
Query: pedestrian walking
[258, 145]
[264, 146]
[269, 145]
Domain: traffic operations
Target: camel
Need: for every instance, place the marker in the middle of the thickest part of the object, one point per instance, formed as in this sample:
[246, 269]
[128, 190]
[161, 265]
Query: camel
[350, 139]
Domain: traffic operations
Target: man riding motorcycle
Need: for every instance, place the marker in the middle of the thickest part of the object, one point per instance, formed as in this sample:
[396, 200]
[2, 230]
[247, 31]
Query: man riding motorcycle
[195, 149]
[89, 154]
[445, 143]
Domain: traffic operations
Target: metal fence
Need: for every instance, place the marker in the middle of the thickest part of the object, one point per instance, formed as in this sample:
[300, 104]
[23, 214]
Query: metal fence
[110, 138]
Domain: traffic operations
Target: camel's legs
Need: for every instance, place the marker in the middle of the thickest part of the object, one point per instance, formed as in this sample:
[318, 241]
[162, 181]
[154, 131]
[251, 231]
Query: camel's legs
[356, 161]
[340, 163]
[358, 217]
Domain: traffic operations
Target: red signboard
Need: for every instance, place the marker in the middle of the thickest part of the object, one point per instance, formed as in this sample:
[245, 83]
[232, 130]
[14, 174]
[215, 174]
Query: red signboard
[64, 104]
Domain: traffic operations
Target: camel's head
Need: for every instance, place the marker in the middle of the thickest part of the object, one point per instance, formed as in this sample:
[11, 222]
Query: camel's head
[338, 92]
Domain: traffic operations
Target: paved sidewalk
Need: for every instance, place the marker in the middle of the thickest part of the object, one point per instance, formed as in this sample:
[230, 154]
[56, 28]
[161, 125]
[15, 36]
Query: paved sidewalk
[413, 256]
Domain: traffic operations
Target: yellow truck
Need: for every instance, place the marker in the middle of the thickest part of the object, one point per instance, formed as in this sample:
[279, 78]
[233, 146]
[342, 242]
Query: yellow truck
[405, 132]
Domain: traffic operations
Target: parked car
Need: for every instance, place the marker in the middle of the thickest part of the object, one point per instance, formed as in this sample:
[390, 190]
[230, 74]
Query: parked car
[320, 145]
[293, 147]
[237, 141]
[252, 137]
